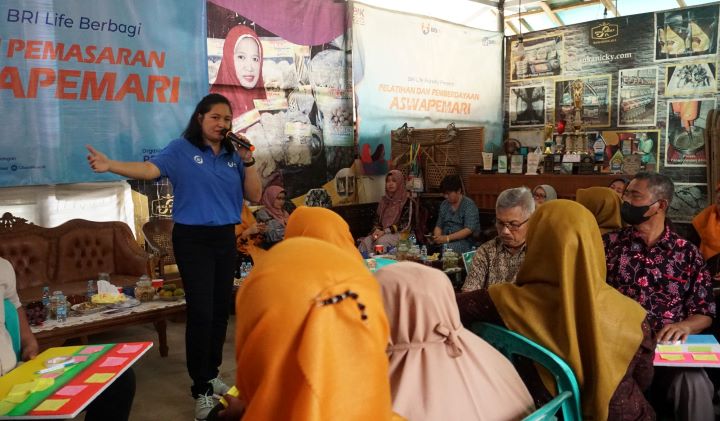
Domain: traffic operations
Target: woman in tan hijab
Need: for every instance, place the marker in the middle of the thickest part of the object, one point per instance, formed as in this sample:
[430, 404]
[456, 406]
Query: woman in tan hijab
[322, 224]
[440, 371]
[311, 334]
[604, 204]
[561, 301]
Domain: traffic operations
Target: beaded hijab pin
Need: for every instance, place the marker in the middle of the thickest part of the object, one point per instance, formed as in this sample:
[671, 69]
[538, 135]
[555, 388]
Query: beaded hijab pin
[340, 297]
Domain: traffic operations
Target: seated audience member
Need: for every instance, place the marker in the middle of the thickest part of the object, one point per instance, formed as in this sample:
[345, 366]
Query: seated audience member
[113, 404]
[458, 218]
[322, 224]
[433, 357]
[543, 193]
[604, 204]
[248, 233]
[666, 274]
[499, 259]
[310, 338]
[273, 215]
[561, 301]
[707, 225]
[393, 214]
[618, 185]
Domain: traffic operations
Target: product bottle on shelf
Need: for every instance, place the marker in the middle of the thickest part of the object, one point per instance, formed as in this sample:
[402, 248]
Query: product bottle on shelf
[60, 305]
[90, 290]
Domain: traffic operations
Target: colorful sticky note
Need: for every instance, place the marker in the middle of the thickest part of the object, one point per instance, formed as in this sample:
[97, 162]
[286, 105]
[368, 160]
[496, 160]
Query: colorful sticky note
[99, 378]
[80, 358]
[129, 349]
[672, 357]
[51, 404]
[42, 383]
[699, 348]
[52, 374]
[91, 349]
[669, 348]
[113, 361]
[22, 388]
[16, 397]
[705, 357]
[6, 407]
[71, 390]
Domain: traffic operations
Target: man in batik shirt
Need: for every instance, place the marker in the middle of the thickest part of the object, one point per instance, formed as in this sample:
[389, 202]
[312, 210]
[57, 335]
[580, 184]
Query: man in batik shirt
[666, 274]
[499, 260]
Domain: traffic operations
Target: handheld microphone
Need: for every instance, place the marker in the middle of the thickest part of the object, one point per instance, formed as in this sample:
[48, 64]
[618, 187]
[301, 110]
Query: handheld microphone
[237, 140]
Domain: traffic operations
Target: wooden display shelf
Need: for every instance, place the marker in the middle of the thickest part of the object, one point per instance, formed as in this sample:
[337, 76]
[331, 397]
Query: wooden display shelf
[485, 188]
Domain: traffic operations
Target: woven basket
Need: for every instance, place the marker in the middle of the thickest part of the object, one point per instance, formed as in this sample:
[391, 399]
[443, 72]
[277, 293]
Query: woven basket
[434, 174]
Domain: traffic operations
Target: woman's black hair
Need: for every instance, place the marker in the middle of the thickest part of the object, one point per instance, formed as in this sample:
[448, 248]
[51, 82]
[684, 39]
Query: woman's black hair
[451, 183]
[193, 131]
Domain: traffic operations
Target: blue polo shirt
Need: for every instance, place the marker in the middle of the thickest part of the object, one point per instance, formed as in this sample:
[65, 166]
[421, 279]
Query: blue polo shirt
[208, 189]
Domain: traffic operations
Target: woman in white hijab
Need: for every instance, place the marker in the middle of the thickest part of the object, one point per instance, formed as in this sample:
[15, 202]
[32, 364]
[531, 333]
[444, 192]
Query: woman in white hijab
[438, 369]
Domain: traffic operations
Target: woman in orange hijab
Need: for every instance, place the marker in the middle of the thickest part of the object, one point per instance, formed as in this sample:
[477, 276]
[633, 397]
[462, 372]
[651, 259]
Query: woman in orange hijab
[707, 224]
[310, 337]
[604, 204]
[561, 301]
[322, 224]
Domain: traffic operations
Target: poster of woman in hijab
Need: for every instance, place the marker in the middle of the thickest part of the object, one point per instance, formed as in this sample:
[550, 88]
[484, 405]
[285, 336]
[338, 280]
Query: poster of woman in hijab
[527, 106]
[285, 77]
[688, 32]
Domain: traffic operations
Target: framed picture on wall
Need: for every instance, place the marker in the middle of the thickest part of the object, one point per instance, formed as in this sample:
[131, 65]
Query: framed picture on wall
[637, 97]
[687, 33]
[685, 134]
[688, 201]
[692, 78]
[527, 106]
[645, 143]
[543, 56]
[595, 100]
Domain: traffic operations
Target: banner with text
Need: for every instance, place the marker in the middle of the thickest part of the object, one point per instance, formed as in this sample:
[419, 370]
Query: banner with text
[123, 76]
[429, 73]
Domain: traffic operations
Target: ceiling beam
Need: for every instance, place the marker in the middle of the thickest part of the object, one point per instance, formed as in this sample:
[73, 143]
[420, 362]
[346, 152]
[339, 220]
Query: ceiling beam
[610, 7]
[525, 23]
[512, 27]
[548, 11]
[681, 3]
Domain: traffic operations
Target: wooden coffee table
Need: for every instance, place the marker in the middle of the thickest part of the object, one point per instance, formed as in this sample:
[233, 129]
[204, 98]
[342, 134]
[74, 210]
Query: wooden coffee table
[52, 333]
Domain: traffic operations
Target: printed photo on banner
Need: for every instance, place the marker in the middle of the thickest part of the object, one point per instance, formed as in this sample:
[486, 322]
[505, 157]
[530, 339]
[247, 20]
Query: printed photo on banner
[291, 100]
[689, 200]
[687, 32]
[595, 101]
[623, 143]
[685, 136]
[539, 57]
[637, 97]
[527, 106]
[692, 79]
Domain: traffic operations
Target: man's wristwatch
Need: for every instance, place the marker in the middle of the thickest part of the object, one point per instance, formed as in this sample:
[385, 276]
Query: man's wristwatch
[249, 163]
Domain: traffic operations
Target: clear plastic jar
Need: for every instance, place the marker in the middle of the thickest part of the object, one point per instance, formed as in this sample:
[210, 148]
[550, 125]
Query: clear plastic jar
[144, 290]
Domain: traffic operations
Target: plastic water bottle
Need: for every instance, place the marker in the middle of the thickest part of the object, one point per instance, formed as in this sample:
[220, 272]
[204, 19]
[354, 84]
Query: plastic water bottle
[60, 307]
[423, 254]
[90, 290]
[46, 302]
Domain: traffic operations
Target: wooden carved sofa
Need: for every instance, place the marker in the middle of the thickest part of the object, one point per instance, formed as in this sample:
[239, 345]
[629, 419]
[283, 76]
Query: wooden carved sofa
[67, 256]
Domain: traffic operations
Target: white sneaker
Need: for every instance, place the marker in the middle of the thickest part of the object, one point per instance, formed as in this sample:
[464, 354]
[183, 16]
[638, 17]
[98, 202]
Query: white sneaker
[219, 387]
[203, 405]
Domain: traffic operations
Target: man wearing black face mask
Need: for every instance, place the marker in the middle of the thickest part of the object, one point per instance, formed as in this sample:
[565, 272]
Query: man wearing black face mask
[666, 274]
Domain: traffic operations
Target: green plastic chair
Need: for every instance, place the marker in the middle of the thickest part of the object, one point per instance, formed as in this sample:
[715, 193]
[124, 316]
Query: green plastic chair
[512, 344]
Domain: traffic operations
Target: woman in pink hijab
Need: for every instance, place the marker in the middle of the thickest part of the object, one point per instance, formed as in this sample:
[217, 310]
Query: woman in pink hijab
[393, 214]
[239, 77]
[273, 215]
[440, 371]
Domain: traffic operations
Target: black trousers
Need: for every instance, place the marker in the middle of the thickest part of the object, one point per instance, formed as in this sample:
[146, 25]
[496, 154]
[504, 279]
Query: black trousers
[206, 259]
[115, 402]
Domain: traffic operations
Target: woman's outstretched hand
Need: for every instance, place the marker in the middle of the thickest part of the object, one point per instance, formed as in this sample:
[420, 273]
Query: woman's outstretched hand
[98, 161]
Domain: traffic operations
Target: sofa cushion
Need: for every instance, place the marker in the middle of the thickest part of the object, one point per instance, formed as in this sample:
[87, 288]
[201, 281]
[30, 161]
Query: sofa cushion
[84, 252]
[28, 255]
